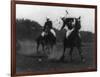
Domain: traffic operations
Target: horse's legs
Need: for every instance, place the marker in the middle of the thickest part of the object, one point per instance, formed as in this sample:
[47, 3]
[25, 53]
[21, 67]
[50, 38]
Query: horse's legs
[37, 46]
[51, 48]
[80, 53]
[62, 57]
[46, 48]
[43, 48]
[70, 53]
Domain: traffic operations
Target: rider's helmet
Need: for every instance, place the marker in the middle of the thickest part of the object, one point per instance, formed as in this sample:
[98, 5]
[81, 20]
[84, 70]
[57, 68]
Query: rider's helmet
[48, 19]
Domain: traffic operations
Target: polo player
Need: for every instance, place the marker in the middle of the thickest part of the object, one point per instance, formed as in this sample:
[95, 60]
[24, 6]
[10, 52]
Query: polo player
[48, 24]
[48, 28]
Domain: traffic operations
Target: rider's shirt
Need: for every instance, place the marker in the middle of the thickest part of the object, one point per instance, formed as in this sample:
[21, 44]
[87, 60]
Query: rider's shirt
[48, 24]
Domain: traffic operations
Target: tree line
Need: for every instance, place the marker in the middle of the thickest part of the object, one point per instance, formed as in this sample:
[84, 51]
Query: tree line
[29, 29]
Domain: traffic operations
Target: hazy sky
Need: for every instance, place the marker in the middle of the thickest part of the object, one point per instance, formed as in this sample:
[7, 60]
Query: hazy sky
[39, 14]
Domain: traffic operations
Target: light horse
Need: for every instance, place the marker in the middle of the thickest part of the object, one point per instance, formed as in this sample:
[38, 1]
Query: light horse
[47, 39]
[72, 37]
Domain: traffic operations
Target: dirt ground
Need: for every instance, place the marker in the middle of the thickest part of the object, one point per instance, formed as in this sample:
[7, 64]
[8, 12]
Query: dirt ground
[28, 59]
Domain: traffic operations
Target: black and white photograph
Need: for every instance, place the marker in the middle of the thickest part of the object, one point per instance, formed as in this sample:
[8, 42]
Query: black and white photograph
[55, 38]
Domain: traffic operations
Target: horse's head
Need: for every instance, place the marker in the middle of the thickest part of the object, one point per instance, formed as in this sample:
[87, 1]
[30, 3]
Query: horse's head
[77, 24]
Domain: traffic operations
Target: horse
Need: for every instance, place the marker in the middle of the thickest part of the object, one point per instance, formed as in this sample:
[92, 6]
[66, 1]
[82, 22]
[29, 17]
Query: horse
[47, 39]
[72, 36]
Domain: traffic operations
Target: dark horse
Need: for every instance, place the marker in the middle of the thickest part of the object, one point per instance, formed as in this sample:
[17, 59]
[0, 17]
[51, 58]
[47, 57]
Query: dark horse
[73, 39]
[47, 39]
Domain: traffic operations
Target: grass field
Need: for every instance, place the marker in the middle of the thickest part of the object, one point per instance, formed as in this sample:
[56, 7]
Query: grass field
[27, 58]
